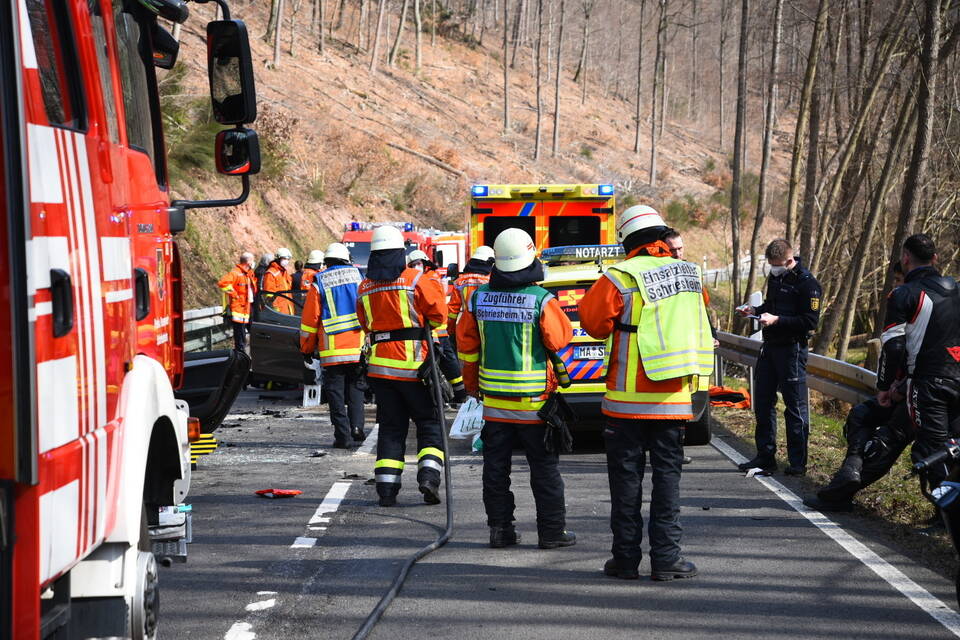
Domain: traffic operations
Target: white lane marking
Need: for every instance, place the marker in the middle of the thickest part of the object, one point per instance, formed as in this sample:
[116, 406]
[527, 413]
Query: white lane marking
[895, 578]
[371, 442]
[261, 605]
[240, 631]
[303, 543]
[331, 502]
[266, 593]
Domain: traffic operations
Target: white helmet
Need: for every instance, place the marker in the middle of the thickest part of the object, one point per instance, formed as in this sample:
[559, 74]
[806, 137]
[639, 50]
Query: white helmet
[514, 250]
[315, 257]
[635, 218]
[416, 254]
[483, 253]
[386, 238]
[339, 251]
[283, 252]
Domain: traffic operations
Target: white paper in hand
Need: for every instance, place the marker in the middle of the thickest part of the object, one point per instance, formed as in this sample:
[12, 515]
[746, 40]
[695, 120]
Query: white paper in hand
[469, 420]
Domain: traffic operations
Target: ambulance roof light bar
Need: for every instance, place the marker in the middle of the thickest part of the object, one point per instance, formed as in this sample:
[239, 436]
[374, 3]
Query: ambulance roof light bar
[542, 191]
[582, 253]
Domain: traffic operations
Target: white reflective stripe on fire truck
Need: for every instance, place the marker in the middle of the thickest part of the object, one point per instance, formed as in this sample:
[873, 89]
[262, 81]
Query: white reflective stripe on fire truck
[59, 527]
[57, 402]
[94, 488]
[116, 258]
[42, 309]
[29, 60]
[43, 254]
[87, 285]
[118, 296]
[45, 184]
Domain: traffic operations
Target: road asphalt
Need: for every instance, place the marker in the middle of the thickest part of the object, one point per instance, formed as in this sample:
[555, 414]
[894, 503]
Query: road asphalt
[315, 565]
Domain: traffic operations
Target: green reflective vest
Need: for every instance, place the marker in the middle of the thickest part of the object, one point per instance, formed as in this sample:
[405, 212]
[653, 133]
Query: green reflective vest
[673, 335]
[513, 361]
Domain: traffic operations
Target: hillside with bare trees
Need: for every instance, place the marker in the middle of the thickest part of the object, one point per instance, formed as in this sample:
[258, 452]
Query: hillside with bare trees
[831, 122]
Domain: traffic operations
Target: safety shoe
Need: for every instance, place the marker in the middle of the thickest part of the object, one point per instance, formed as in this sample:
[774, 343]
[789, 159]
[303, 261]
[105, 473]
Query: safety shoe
[679, 569]
[758, 462]
[358, 435]
[388, 501]
[686, 460]
[562, 539]
[431, 492]
[828, 506]
[614, 570]
[342, 445]
[795, 471]
[501, 537]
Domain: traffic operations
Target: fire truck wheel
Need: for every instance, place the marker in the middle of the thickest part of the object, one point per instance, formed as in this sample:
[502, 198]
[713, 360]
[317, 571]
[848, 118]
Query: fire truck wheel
[145, 607]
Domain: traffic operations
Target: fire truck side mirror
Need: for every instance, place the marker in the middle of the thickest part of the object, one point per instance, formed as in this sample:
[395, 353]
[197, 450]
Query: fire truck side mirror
[238, 152]
[230, 67]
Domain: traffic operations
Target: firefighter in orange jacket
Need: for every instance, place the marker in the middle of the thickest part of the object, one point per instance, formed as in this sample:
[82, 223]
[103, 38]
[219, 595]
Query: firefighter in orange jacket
[315, 263]
[651, 307]
[447, 357]
[476, 273]
[278, 278]
[398, 307]
[329, 325]
[505, 335]
[240, 287]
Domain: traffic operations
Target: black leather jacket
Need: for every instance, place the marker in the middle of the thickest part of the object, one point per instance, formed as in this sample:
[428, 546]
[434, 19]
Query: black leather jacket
[921, 334]
[795, 297]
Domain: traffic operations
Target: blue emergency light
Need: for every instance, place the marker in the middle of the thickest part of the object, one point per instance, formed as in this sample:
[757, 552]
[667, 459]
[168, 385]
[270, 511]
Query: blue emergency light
[354, 226]
[408, 226]
[605, 189]
[480, 190]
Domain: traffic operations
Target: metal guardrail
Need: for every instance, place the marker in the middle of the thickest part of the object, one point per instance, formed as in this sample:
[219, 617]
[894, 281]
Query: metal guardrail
[832, 377]
[204, 328]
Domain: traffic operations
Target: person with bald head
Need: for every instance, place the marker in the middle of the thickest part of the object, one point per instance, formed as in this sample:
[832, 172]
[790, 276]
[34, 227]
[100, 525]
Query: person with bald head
[238, 287]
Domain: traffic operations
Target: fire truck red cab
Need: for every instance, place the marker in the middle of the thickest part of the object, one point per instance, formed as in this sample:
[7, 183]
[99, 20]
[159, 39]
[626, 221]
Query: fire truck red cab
[94, 450]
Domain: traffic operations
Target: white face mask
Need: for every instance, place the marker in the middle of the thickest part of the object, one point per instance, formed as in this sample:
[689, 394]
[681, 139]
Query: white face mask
[284, 263]
[418, 266]
[778, 271]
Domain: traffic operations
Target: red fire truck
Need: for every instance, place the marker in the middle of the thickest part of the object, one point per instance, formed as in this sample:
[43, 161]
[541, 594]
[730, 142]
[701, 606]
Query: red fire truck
[442, 246]
[94, 446]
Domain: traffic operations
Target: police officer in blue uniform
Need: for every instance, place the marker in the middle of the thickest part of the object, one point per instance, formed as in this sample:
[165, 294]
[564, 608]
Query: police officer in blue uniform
[788, 316]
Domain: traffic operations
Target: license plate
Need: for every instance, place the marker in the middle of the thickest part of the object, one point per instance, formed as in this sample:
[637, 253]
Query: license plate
[589, 352]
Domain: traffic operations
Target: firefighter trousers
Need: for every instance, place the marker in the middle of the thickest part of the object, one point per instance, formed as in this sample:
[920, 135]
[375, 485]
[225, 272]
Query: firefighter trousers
[545, 481]
[399, 402]
[627, 443]
[345, 399]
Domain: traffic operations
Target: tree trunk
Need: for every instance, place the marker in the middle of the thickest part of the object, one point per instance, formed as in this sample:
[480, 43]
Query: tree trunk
[810, 185]
[917, 169]
[583, 49]
[771, 109]
[362, 42]
[722, 108]
[506, 71]
[278, 27]
[640, 47]
[536, 144]
[433, 22]
[341, 8]
[323, 16]
[803, 112]
[694, 61]
[395, 49]
[271, 21]
[556, 93]
[657, 87]
[418, 23]
[295, 11]
[517, 32]
[376, 36]
[738, 144]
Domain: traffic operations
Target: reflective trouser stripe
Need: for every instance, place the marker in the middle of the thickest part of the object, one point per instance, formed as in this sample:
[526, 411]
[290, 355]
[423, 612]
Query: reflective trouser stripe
[390, 464]
[430, 451]
[495, 413]
[432, 464]
[346, 359]
[387, 478]
[392, 372]
[387, 470]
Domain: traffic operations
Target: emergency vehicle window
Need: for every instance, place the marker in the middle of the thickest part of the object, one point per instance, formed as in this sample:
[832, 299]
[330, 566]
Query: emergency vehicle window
[493, 225]
[103, 63]
[56, 62]
[570, 230]
[136, 88]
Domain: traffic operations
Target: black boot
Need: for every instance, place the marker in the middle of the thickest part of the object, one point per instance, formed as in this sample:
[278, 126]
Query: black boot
[431, 492]
[562, 539]
[844, 483]
[615, 570]
[679, 569]
[828, 506]
[503, 537]
[757, 462]
[358, 435]
[388, 501]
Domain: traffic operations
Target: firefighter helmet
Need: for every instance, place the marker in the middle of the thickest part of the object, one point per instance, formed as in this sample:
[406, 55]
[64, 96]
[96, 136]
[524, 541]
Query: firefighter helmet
[339, 251]
[636, 218]
[315, 257]
[283, 252]
[386, 237]
[483, 253]
[514, 250]
[415, 255]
